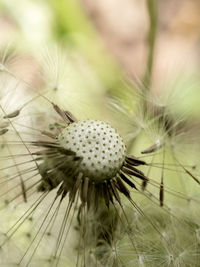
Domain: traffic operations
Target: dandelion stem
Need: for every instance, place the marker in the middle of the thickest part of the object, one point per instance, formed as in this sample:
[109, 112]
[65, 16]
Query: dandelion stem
[153, 20]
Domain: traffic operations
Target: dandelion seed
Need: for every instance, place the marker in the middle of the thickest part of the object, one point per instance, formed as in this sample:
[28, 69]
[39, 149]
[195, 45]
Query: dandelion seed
[12, 115]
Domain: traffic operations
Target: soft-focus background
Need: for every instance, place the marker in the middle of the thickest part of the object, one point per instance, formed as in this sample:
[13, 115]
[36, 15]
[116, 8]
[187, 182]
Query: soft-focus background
[106, 41]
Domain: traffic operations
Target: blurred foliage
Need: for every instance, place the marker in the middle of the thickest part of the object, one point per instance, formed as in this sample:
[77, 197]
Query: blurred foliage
[33, 24]
[71, 26]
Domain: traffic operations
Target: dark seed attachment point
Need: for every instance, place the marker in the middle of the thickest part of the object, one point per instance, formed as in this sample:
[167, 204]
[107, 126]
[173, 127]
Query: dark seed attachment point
[12, 115]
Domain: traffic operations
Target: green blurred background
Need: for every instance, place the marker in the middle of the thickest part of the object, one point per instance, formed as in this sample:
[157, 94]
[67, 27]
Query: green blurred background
[102, 58]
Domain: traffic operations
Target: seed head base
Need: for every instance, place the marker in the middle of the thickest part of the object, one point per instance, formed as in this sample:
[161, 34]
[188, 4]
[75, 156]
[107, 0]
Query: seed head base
[98, 144]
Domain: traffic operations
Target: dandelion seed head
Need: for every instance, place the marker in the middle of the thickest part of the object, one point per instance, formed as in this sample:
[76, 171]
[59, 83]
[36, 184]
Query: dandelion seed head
[98, 144]
[64, 167]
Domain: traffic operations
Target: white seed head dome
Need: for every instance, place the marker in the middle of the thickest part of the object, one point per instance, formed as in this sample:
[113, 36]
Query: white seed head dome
[100, 146]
